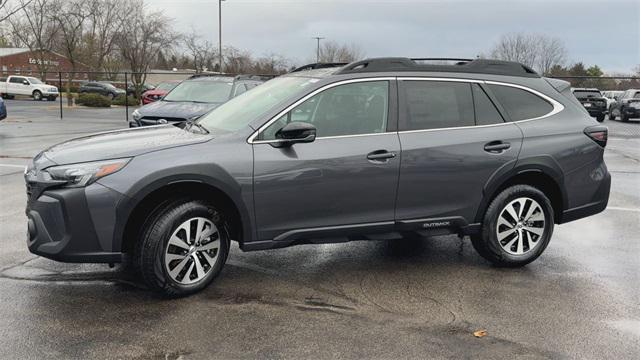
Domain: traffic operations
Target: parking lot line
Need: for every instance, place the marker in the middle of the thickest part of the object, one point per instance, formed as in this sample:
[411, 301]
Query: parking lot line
[622, 209]
[13, 165]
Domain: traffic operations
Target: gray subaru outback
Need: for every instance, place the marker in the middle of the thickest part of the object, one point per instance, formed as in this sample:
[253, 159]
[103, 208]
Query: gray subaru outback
[376, 149]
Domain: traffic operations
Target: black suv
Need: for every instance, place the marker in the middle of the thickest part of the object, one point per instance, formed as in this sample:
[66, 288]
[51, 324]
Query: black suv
[627, 106]
[372, 150]
[593, 102]
[192, 98]
[101, 88]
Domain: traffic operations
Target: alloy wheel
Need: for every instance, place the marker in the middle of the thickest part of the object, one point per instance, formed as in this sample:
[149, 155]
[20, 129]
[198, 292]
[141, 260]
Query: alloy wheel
[520, 226]
[192, 251]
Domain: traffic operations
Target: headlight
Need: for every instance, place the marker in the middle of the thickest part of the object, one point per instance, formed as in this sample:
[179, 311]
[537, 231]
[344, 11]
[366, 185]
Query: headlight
[136, 115]
[83, 174]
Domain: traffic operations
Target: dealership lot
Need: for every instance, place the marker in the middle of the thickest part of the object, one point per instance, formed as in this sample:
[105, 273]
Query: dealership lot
[413, 298]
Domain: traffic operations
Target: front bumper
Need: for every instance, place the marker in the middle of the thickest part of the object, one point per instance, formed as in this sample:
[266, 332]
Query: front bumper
[73, 225]
[632, 112]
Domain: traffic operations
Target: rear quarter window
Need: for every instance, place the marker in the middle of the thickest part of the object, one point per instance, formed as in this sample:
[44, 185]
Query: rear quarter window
[520, 104]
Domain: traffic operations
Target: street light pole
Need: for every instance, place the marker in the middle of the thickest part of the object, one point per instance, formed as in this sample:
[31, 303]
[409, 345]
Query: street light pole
[220, 34]
[318, 38]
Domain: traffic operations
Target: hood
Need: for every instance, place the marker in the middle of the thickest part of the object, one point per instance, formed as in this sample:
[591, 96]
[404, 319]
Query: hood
[178, 109]
[121, 143]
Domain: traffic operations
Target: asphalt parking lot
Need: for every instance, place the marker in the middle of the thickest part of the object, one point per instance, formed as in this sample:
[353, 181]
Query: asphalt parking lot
[415, 298]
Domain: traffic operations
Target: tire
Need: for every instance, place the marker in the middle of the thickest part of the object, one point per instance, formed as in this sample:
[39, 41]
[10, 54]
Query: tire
[37, 95]
[600, 118]
[523, 247]
[111, 96]
[168, 261]
[623, 117]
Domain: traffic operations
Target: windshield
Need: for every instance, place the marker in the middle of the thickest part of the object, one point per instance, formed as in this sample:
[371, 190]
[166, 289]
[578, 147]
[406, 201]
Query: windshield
[34, 80]
[201, 91]
[240, 111]
[586, 94]
[166, 86]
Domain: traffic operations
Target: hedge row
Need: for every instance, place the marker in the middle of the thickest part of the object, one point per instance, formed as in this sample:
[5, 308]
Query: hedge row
[93, 100]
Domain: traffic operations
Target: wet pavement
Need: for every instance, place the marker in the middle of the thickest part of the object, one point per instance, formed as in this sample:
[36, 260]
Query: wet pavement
[413, 298]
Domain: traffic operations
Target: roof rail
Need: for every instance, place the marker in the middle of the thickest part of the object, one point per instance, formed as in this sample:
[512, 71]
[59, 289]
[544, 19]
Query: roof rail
[314, 66]
[479, 66]
[255, 77]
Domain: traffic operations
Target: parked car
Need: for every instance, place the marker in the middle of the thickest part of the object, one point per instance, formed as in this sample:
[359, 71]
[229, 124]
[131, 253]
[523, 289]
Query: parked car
[627, 106]
[192, 98]
[27, 85]
[371, 150]
[131, 89]
[3, 109]
[99, 87]
[611, 96]
[158, 92]
[593, 102]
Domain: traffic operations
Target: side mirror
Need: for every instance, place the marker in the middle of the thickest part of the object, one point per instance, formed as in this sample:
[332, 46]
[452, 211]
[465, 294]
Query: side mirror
[295, 132]
[25, 82]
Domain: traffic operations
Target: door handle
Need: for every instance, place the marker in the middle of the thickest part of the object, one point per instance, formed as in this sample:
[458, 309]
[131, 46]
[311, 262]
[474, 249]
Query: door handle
[380, 155]
[496, 146]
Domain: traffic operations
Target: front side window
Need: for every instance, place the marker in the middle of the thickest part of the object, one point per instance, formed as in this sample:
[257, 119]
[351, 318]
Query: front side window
[436, 105]
[349, 109]
[520, 104]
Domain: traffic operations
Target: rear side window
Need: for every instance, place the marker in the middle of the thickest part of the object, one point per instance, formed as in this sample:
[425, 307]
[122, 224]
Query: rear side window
[16, 80]
[436, 105]
[486, 112]
[520, 104]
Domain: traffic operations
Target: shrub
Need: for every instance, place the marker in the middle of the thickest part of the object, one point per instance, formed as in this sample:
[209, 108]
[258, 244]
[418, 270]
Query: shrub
[93, 100]
[119, 100]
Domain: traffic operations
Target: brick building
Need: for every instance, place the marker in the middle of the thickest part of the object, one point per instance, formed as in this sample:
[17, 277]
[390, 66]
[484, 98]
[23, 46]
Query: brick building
[22, 61]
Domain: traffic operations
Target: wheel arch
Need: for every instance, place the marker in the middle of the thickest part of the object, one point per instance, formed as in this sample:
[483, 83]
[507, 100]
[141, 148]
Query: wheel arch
[542, 173]
[134, 213]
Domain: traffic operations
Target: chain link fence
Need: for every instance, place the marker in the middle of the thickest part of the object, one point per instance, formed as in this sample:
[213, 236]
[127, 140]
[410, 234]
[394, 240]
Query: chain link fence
[70, 85]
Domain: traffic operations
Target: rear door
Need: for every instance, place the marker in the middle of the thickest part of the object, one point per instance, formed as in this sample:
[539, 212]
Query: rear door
[346, 179]
[453, 139]
[16, 85]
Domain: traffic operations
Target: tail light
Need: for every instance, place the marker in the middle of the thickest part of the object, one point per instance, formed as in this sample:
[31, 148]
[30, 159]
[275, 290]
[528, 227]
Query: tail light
[598, 133]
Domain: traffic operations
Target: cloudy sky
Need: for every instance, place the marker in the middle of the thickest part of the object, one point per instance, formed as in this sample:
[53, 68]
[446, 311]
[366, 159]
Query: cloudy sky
[603, 32]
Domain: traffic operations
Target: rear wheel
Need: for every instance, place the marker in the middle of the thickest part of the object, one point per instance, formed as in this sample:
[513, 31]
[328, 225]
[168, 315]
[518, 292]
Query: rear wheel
[516, 228]
[37, 95]
[183, 248]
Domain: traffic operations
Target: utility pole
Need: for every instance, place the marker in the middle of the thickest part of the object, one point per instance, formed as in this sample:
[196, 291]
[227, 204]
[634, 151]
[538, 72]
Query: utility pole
[318, 38]
[220, 34]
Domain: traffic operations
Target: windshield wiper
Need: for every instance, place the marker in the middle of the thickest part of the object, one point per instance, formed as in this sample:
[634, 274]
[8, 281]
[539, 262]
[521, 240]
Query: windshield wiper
[192, 123]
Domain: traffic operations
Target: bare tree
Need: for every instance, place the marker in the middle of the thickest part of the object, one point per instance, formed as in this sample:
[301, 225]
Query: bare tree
[202, 52]
[35, 29]
[71, 18]
[271, 64]
[9, 8]
[331, 51]
[237, 61]
[140, 48]
[536, 51]
[106, 18]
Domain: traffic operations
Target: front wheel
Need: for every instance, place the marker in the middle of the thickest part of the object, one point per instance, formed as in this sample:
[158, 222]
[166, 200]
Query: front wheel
[516, 228]
[600, 118]
[184, 246]
[37, 95]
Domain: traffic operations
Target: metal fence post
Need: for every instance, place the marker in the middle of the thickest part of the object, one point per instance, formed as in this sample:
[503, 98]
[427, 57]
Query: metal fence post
[126, 98]
[60, 91]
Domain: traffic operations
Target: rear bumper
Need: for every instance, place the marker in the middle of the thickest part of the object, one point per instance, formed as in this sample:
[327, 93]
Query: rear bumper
[74, 225]
[599, 203]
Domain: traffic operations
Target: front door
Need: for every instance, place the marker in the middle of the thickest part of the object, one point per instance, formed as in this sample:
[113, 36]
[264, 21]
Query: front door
[346, 178]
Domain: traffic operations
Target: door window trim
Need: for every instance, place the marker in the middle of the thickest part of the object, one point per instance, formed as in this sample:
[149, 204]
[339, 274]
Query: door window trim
[252, 138]
[557, 106]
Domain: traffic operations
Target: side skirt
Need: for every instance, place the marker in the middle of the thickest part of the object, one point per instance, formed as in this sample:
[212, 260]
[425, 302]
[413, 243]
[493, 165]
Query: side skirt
[387, 230]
